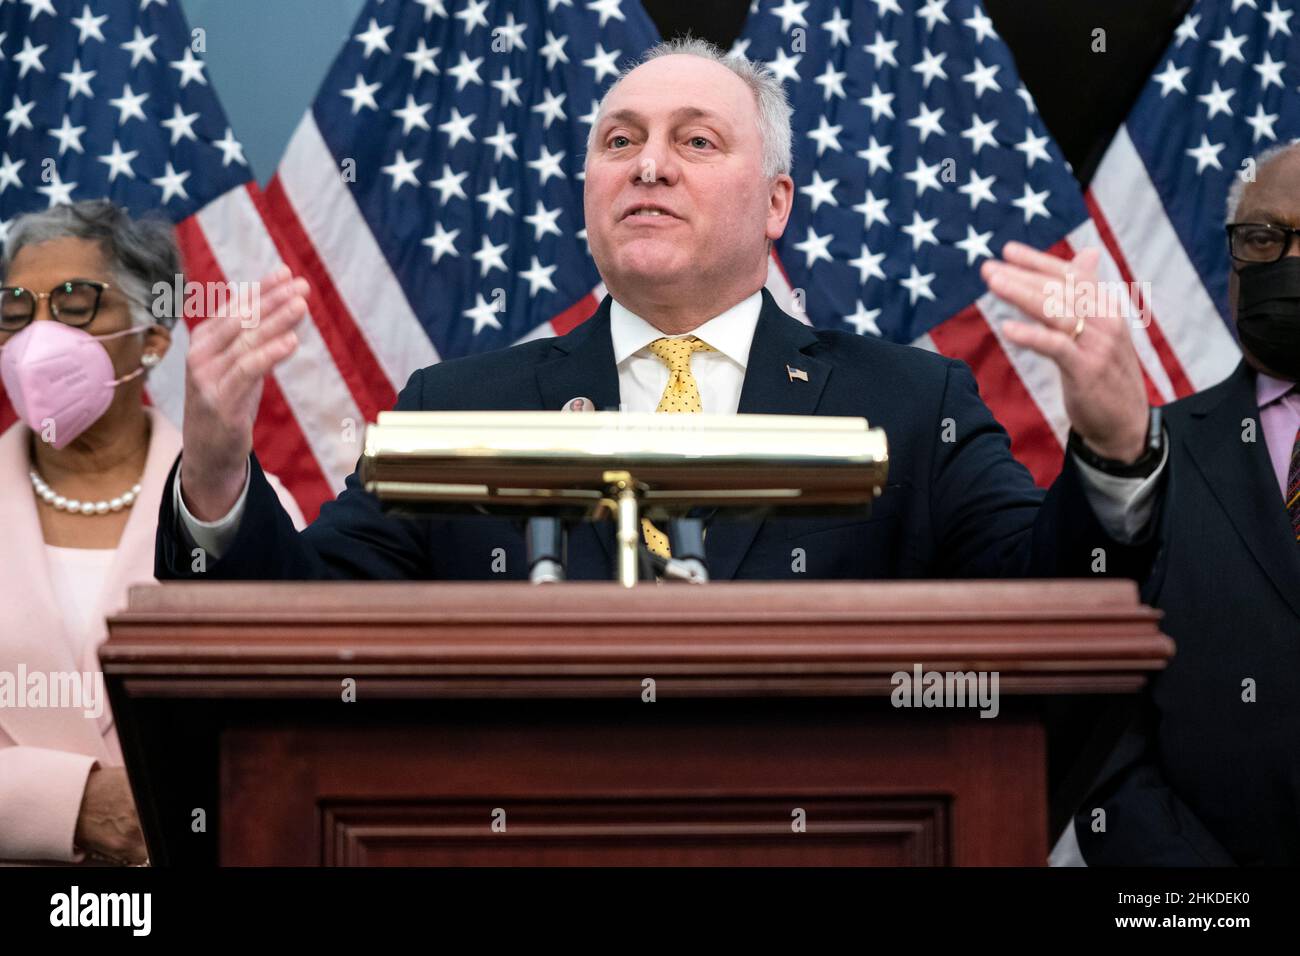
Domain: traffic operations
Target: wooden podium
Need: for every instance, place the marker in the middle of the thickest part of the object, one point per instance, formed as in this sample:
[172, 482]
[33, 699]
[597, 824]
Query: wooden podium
[732, 723]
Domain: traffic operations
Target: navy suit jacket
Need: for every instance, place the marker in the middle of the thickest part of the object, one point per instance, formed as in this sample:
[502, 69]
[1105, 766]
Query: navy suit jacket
[956, 504]
[1203, 776]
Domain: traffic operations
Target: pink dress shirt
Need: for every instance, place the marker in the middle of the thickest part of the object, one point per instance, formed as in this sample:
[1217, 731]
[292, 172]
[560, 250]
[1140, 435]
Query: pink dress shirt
[1279, 418]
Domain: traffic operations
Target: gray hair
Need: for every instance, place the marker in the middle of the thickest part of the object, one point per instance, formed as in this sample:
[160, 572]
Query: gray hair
[1238, 187]
[769, 96]
[139, 253]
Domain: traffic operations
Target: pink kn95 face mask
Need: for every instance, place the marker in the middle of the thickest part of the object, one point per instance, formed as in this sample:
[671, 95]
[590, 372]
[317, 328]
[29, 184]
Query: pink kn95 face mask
[60, 376]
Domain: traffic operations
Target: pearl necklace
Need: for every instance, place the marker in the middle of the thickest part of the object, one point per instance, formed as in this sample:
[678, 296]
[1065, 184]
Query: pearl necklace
[73, 506]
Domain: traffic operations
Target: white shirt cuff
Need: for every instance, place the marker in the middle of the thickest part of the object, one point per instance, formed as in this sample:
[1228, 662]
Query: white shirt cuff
[214, 537]
[1067, 851]
[1122, 505]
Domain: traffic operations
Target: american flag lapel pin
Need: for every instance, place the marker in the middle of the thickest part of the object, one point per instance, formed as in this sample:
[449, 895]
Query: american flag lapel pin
[796, 373]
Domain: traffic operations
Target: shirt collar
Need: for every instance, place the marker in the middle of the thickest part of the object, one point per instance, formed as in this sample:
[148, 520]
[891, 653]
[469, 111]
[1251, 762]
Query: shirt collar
[731, 333]
[1267, 388]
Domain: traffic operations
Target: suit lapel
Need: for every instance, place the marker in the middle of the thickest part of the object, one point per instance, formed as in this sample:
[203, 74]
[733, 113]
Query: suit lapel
[581, 365]
[781, 344]
[1254, 504]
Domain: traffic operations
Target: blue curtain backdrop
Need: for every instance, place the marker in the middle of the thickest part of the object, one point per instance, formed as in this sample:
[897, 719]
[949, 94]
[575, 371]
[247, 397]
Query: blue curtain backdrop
[266, 59]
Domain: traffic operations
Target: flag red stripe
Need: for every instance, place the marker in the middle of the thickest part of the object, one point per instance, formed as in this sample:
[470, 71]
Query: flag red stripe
[574, 315]
[1173, 367]
[967, 336]
[278, 438]
[352, 355]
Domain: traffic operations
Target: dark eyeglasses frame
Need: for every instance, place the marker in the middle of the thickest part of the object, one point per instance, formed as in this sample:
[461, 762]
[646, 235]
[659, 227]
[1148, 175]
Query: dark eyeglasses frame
[64, 287]
[1289, 231]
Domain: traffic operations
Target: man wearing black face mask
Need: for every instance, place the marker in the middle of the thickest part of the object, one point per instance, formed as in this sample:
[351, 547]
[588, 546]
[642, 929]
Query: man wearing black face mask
[1210, 772]
[1268, 298]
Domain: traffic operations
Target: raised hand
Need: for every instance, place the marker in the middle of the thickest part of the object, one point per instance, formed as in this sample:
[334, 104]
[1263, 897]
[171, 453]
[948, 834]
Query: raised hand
[1101, 376]
[228, 359]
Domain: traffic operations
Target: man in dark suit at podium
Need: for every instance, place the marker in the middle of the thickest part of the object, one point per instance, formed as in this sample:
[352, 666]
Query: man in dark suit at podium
[1210, 773]
[687, 183]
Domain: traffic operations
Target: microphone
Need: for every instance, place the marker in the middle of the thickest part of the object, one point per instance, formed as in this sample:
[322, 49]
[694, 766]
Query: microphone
[545, 541]
[545, 537]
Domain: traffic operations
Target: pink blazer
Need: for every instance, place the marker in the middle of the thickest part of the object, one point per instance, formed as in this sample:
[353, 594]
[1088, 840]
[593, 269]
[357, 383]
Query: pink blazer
[46, 753]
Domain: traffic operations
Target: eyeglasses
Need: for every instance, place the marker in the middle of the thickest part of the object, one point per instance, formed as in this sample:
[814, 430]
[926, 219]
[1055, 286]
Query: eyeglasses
[74, 303]
[1259, 241]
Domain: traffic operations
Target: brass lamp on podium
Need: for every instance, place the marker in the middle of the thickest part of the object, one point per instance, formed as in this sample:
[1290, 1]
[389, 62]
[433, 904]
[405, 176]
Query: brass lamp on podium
[553, 467]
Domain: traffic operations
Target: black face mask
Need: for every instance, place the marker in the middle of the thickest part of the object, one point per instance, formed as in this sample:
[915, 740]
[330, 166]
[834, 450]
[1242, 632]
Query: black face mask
[1268, 314]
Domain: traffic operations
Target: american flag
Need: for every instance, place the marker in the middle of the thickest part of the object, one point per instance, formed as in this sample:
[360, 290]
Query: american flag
[918, 154]
[433, 192]
[1224, 92]
[432, 195]
[110, 99]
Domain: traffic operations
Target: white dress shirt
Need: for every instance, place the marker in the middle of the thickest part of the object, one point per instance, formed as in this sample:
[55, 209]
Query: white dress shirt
[1122, 505]
[643, 376]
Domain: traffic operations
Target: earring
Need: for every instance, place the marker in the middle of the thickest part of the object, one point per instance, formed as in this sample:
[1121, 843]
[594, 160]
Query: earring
[150, 359]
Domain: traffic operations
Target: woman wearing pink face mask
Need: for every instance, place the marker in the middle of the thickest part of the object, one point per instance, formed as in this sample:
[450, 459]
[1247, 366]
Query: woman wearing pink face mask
[82, 473]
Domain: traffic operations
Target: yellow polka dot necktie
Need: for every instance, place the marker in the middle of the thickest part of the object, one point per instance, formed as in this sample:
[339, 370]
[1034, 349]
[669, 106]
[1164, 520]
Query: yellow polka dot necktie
[681, 394]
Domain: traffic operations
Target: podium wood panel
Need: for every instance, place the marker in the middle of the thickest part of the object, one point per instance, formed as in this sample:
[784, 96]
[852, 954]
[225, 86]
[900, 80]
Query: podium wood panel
[504, 723]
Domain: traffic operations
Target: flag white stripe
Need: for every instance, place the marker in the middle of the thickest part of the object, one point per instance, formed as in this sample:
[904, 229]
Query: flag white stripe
[1189, 320]
[313, 388]
[1108, 271]
[347, 248]
[1037, 373]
